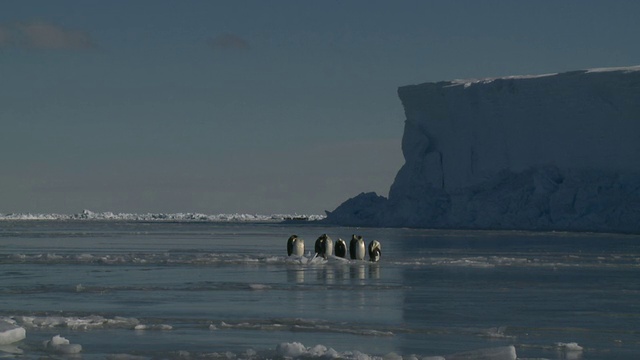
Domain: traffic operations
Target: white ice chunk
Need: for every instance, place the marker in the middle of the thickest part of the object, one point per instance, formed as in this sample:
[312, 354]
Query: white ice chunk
[10, 332]
[392, 356]
[292, 350]
[62, 345]
[258, 287]
[318, 350]
[331, 354]
[572, 346]
[10, 349]
[153, 327]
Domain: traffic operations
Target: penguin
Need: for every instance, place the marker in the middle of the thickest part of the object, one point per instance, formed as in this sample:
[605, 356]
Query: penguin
[295, 246]
[357, 248]
[324, 246]
[341, 248]
[375, 251]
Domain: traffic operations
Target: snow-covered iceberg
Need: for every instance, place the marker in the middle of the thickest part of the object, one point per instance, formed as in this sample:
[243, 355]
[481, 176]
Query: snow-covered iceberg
[548, 152]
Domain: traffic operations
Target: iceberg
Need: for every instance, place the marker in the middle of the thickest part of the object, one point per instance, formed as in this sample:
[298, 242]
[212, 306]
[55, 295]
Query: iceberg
[545, 152]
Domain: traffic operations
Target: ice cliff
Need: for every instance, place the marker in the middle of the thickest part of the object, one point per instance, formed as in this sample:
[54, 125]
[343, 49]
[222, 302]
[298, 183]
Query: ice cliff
[548, 152]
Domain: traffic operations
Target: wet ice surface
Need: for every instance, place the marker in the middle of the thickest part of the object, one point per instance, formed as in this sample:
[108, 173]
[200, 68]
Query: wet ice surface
[212, 290]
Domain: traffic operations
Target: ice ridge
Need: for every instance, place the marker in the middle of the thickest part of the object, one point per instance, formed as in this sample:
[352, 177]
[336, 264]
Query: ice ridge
[90, 215]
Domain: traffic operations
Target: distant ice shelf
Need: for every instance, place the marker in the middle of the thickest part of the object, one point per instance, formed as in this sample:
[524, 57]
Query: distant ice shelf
[90, 215]
[542, 152]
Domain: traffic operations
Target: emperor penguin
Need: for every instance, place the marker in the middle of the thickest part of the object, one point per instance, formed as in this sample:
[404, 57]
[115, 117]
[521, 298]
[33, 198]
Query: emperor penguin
[375, 251]
[357, 247]
[295, 246]
[324, 246]
[341, 248]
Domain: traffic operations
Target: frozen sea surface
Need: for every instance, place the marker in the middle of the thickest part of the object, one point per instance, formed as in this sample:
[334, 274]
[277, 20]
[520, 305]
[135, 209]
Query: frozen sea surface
[190, 290]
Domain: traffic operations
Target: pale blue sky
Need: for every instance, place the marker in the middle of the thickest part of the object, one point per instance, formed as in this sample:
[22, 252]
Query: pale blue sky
[252, 106]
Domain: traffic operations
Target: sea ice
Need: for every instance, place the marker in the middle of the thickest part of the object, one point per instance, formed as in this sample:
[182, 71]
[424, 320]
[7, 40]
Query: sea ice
[497, 353]
[296, 350]
[153, 327]
[187, 217]
[77, 323]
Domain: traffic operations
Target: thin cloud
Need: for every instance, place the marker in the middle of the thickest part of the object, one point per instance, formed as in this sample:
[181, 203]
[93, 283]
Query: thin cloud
[43, 35]
[228, 42]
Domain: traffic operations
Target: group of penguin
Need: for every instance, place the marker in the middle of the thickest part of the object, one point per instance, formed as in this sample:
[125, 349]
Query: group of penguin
[324, 247]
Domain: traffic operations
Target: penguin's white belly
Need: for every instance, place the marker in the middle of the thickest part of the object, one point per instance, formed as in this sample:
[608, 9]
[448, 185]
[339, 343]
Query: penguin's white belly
[360, 253]
[298, 247]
